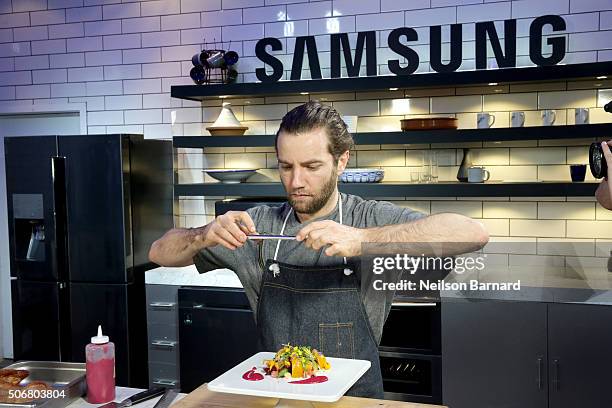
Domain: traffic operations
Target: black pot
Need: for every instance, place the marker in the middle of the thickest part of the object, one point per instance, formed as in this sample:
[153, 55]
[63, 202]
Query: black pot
[200, 58]
[597, 161]
[198, 74]
[232, 75]
[230, 57]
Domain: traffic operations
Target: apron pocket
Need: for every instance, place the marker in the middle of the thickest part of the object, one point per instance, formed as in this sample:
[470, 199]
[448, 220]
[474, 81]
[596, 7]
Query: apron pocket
[336, 340]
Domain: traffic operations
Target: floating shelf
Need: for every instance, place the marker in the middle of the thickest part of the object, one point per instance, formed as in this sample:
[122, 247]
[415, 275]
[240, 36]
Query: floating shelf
[455, 189]
[420, 136]
[382, 83]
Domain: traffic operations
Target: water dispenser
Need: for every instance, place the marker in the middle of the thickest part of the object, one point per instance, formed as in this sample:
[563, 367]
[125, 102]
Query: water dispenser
[28, 218]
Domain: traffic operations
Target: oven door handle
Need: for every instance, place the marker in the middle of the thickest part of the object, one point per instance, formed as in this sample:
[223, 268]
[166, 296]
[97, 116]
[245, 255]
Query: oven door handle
[414, 304]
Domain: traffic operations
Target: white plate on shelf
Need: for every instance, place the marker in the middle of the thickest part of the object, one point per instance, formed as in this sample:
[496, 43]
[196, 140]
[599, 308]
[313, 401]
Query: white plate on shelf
[342, 375]
[231, 176]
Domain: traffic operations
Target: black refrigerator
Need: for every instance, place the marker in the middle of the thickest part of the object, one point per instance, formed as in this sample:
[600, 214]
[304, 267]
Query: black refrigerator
[83, 211]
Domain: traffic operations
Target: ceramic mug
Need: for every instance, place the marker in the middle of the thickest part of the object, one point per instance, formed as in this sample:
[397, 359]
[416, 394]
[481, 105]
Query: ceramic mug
[483, 120]
[215, 59]
[578, 172]
[582, 116]
[478, 175]
[548, 117]
[517, 119]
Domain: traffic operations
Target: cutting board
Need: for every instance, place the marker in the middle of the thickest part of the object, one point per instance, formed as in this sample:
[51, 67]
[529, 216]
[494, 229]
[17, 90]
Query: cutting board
[203, 397]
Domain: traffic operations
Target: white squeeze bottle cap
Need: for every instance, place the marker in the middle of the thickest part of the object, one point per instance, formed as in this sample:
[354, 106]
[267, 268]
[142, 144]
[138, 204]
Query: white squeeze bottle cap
[99, 339]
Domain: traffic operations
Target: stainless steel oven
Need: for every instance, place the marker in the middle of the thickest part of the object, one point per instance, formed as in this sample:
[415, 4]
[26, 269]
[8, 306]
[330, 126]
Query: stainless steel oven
[409, 351]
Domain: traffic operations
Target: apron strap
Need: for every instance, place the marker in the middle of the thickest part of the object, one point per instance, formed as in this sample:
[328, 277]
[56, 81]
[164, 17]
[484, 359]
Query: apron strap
[274, 267]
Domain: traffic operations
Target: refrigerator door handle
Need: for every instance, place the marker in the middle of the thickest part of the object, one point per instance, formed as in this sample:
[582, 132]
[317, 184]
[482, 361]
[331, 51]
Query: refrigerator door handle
[58, 177]
[60, 253]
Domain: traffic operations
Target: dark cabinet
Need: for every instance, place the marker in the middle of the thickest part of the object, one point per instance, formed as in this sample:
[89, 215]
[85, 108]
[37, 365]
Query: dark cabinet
[499, 354]
[580, 355]
[494, 354]
[216, 331]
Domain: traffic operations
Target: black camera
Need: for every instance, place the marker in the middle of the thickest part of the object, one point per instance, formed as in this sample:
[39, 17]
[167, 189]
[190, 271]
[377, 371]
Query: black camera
[597, 161]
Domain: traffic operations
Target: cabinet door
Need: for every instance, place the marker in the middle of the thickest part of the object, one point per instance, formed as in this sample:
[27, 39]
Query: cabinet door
[215, 334]
[580, 357]
[493, 354]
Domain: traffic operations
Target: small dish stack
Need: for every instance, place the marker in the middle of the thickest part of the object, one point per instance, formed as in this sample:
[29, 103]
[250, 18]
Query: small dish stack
[362, 175]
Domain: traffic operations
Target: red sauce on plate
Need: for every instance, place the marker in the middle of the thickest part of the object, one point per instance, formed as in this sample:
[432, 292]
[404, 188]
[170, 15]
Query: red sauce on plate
[312, 380]
[252, 375]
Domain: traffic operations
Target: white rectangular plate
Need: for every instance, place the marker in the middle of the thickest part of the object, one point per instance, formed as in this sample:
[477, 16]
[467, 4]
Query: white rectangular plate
[342, 375]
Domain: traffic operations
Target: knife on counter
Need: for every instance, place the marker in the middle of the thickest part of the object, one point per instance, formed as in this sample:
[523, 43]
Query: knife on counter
[136, 398]
[167, 398]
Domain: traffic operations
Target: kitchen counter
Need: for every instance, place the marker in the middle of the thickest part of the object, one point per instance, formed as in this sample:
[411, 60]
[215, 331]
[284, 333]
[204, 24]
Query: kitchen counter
[538, 284]
[122, 393]
[202, 397]
[189, 276]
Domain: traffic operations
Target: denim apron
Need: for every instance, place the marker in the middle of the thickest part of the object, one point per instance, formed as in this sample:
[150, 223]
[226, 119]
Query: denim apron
[319, 307]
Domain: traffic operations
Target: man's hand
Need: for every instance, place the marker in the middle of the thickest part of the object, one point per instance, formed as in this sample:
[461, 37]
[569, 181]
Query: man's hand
[342, 239]
[228, 230]
[179, 245]
[604, 191]
[605, 146]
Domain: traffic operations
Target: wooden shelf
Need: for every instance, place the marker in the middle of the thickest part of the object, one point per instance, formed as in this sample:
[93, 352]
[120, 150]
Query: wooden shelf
[586, 71]
[420, 136]
[573, 72]
[455, 189]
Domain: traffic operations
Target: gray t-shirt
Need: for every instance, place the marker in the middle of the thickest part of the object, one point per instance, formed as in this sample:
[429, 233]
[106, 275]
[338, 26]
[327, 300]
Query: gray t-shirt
[246, 261]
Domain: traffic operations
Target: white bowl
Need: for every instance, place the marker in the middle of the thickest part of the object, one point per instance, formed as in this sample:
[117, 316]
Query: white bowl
[231, 176]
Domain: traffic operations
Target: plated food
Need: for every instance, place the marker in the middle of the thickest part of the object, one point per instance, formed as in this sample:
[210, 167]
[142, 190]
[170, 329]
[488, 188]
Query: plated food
[296, 362]
[10, 381]
[12, 377]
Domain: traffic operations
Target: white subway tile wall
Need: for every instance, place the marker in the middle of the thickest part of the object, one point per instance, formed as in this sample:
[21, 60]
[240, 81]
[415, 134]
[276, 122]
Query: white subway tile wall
[121, 58]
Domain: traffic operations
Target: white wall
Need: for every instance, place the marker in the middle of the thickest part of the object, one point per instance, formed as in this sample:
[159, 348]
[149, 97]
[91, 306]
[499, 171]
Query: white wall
[120, 58]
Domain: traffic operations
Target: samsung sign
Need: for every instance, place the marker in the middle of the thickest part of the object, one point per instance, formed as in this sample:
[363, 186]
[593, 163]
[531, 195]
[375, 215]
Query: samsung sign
[398, 42]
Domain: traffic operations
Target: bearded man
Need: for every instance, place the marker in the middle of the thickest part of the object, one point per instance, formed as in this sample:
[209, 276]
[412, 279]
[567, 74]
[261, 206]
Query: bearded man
[305, 286]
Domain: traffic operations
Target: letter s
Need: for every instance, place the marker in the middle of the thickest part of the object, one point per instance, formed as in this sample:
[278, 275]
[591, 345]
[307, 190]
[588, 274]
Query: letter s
[275, 63]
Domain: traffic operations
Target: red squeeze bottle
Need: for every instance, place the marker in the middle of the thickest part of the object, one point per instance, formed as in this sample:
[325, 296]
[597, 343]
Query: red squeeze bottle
[100, 369]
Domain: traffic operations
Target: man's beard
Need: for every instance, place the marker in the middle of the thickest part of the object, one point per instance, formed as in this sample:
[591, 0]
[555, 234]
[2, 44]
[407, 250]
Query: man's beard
[318, 201]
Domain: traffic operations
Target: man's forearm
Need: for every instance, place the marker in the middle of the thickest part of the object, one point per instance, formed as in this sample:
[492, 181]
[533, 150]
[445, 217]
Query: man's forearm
[177, 247]
[456, 233]
[603, 194]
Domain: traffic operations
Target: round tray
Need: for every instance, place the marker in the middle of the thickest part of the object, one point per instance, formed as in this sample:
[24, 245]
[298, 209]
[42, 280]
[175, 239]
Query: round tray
[428, 123]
